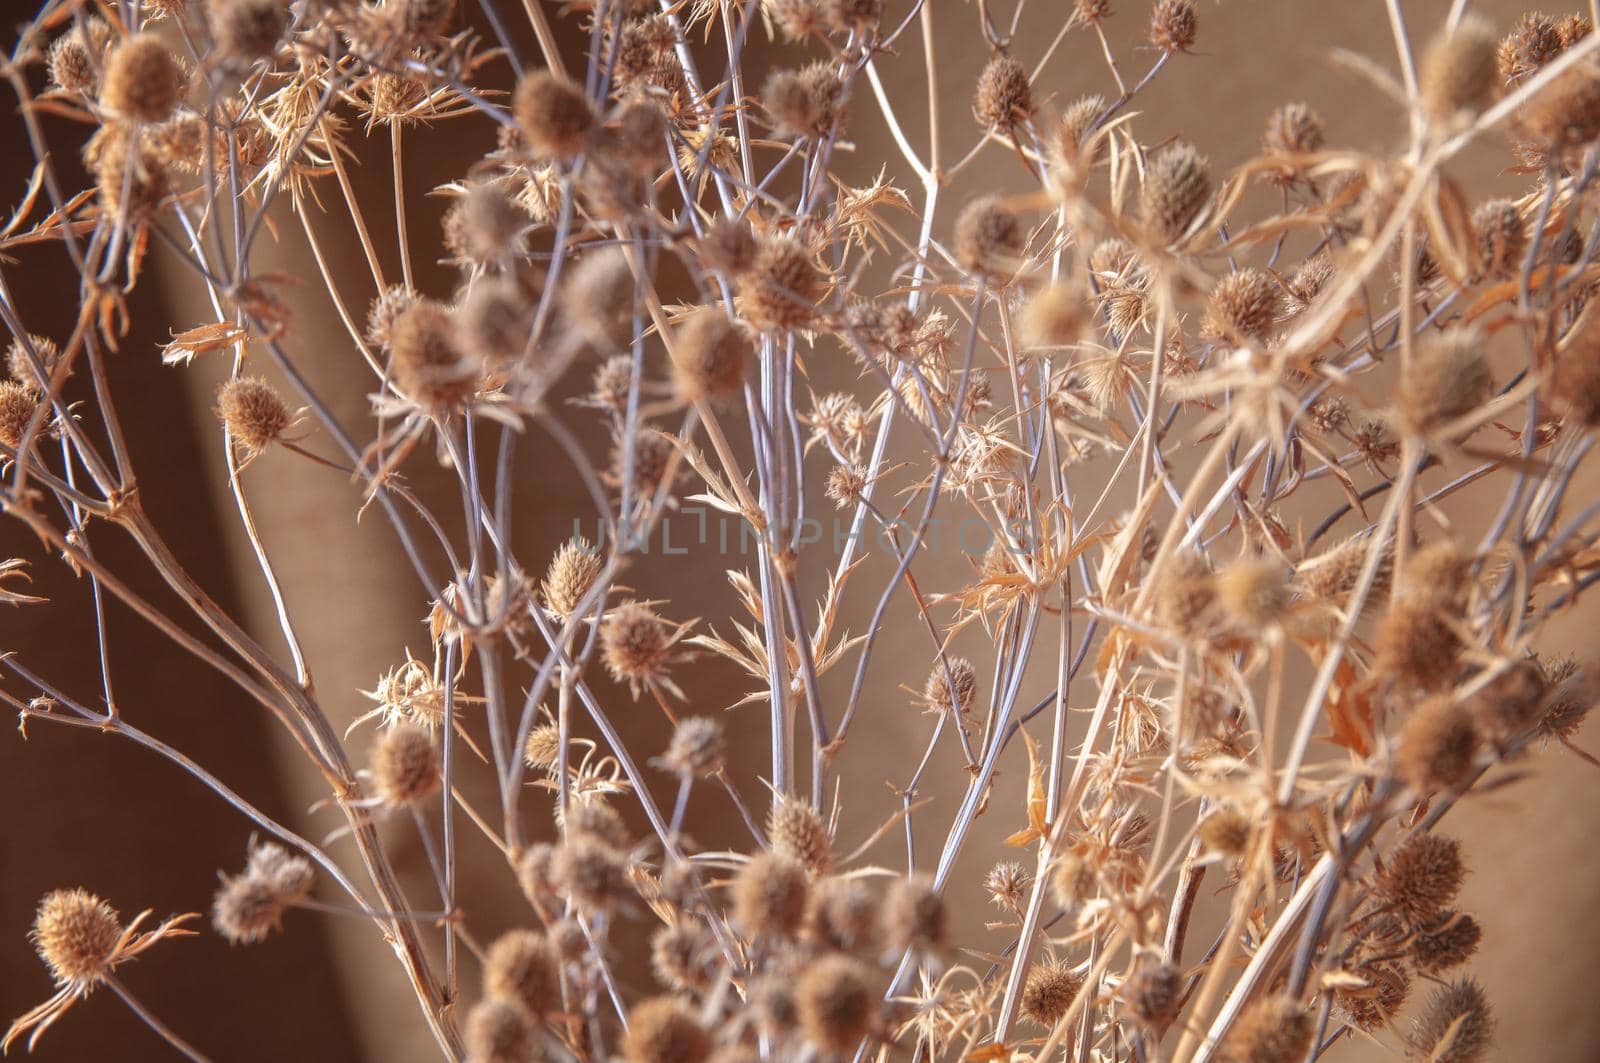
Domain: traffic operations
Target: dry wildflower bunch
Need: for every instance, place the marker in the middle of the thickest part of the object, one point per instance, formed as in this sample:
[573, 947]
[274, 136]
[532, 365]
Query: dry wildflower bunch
[1271, 676]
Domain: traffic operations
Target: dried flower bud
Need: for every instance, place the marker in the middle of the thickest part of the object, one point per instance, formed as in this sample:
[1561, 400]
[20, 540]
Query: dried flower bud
[1458, 70]
[1227, 832]
[521, 966]
[1176, 189]
[485, 227]
[1093, 10]
[1173, 25]
[710, 356]
[599, 297]
[1274, 1029]
[1244, 304]
[1309, 279]
[129, 173]
[914, 915]
[1502, 240]
[1572, 29]
[425, 359]
[1448, 378]
[1048, 992]
[1438, 746]
[573, 572]
[769, 895]
[554, 115]
[677, 955]
[1254, 592]
[498, 1031]
[845, 15]
[837, 1003]
[246, 909]
[427, 18]
[1447, 940]
[1054, 318]
[1575, 374]
[697, 747]
[1186, 593]
[143, 81]
[847, 485]
[989, 239]
[952, 684]
[1512, 703]
[842, 915]
[246, 30]
[1421, 877]
[1154, 992]
[806, 102]
[728, 245]
[1332, 575]
[1565, 117]
[536, 873]
[1417, 646]
[661, 1030]
[1293, 129]
[18, 404]
[797, 831]
[405, 765]
[1007, 886]
[783, 287]
[75, 933]
[591, 817]
[1534, 41]
[1004, 97]
[72, 59]
[636, 644]
[1456, 1026]
[253, 413]
[797, 18]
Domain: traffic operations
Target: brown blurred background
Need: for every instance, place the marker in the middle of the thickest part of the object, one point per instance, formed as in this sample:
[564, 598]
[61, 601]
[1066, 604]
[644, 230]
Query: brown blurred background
[94, 811]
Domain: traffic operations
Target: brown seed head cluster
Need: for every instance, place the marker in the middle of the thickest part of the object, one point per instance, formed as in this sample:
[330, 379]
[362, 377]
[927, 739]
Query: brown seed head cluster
[1004, 97]
[1457, 72]
[1177, 186]
[76, 935]
[989, 239]
[710, 356]
[405, 765]
[254, 413]
[554, 115]
[1174, 25]
[143, 81]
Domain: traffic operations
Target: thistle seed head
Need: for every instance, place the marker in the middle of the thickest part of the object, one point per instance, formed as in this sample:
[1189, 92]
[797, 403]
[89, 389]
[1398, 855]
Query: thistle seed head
[1274, 1029]
[405, 765]
[710, 357]
[697, 747]
[1421, 877]
[143, 81]
[520, 966]
[989, 239]
[1048, 992]
[253, 413]
[75, 933]
[1446, 941]
[1174, 25]
[1177, 187]
[797, 831]
[554, 115]
[1458, 70]
[1004, 97]
[1457, 1025]
[769, 896]
[1438, 746]
[783, 287]
[498, 1031]
[837, 1002]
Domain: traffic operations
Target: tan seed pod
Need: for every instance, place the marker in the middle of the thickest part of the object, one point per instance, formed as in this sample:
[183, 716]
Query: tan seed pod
[797, 19]
[837, 1003]
[1448, 378]
[1173, 25]
[427, 18]
[1007, 886]
[1417, 646]
[1457, 72]
[661, 1030]
[405, 765]
[989, 239]
[246, 909]
[842, 916]
[1055, 318]
[797, 831]
[18, 404]
[521, 966]
[1330, 577]
[75, 933]
[1444, 942]
[697, 747]
[253, 413]
[783, 287]
[593, 818]
[1502, 239]
[1572, 29]
[72, 62]
[1438, 746]
[536, 873]
[1226, 832]
[498, 1031]
[914, 916]
[1420, 877]
[1293, 129]
[425, 358]
[143, 81]
[1004, 96]
[572, 573]
[1574, 379]
[1534, 41]
[1048, 992]
[1512, 703]
[1373, 1004]
[554, 114]
[1254, 592]
[769, 896]
[728, 245]
[1177, 187]
[1244, 304]
[1154, 992]
[129, 173]
[1274, 1029]
[246, 30]
[1186, 593]
[710, 356]
[677, 955]
[1093, 10]
[952, 684]
[635, 644]
[1456, 1026]
[843, 16]
[599, 297]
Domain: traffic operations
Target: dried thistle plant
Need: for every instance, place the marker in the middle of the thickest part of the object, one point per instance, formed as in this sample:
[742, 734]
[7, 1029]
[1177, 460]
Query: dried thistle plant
[1273, 673]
